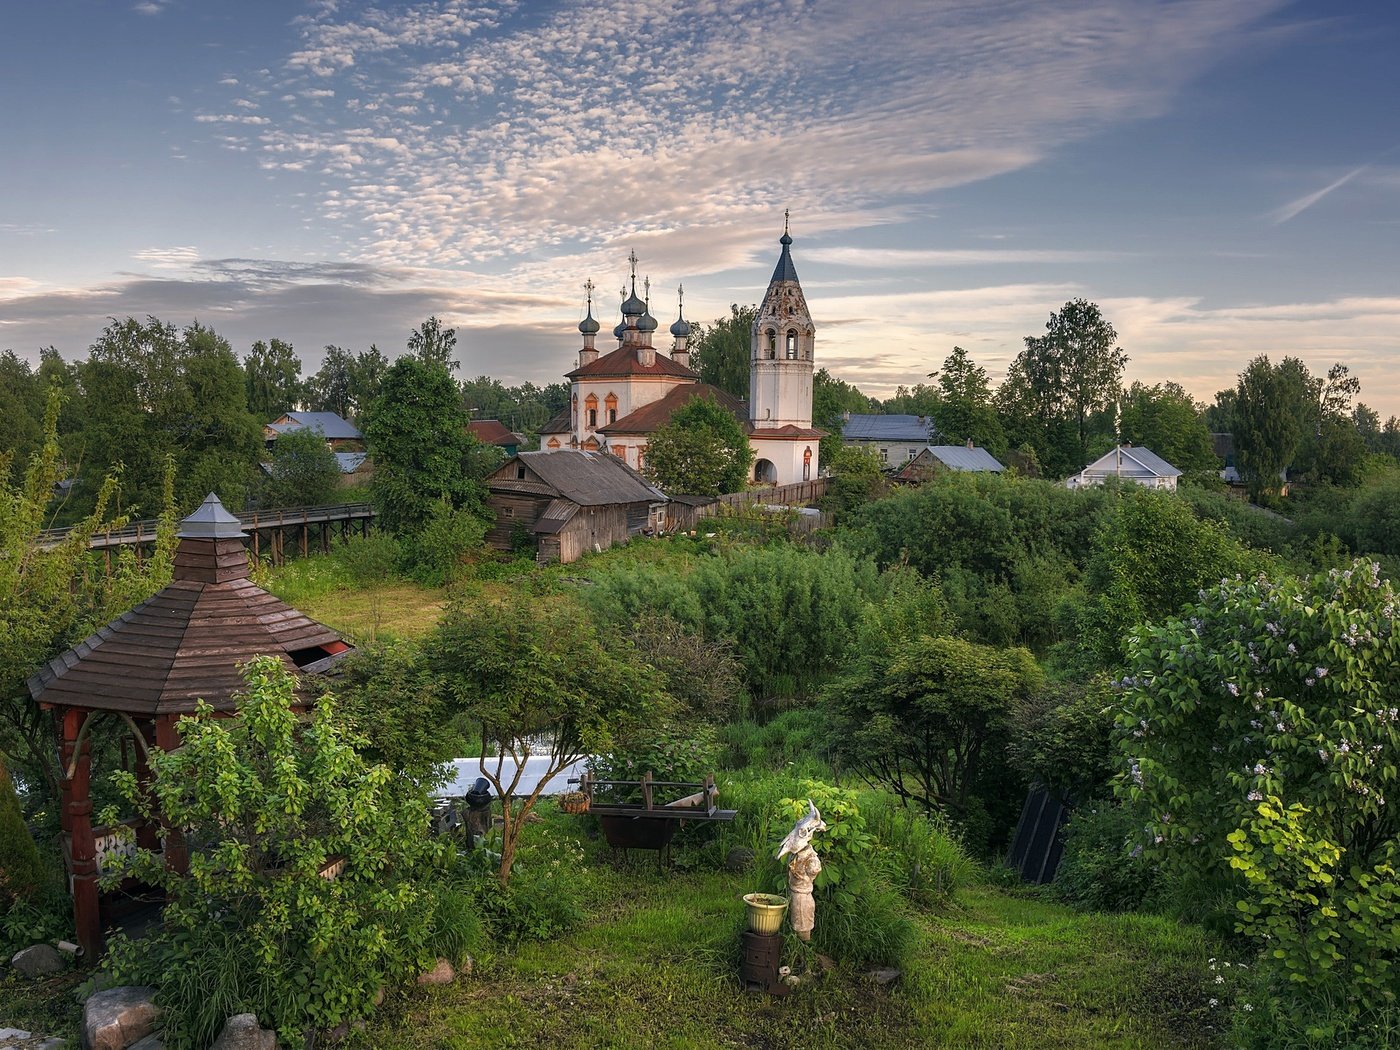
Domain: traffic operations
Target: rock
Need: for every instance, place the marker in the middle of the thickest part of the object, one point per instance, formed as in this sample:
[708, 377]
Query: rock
[14, 1033]
[379, 996]
[442, 973]
[884, 977]
[826, 962]
[739, 860]
[242, 1032]
[39, 960]
[52, 1043]
[117, 1017]
[151, 1042]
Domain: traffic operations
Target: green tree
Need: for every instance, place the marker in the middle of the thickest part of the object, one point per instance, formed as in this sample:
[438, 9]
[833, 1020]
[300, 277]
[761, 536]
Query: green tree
[1269, 420]
[1166, 419]
[51, 597]
[701, 450]
[22, 872]
[333, 387]
[303, 471]
[965, 411]
[217, 441]
[417, 433]
[272, 803]
[21, 408]
[532, 683]
[857, 477]
[720, 352]
[431, 343]
[832, 398]
[1259, 734]
[924, 725]
[273, 375]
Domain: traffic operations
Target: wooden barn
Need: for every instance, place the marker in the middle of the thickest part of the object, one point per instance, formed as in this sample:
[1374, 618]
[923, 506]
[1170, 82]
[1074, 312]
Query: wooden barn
[569, 502]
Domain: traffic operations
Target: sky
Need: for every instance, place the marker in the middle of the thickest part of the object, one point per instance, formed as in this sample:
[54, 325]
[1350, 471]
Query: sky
[1221, 176]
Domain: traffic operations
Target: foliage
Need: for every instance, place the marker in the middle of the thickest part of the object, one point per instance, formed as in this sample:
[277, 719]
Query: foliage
[1103, 866]
[22, 872]
[1375, 519]
[857, 478]
[534, 681]
[1166, 419]
[1261, 732]
[668, 750]
[832, 398]
[919, 853]
[703, 677]
[925, 724]
[436, 552]
[266, 804]
[1251, 526]
[303, 471]
[388, 696]
[346, 383]
[523, 408]
[370, 562]
[433, 344]
[1268, 421]
[965, 411]
[720, 352]
[52, 597]
[1064, 737]
[417, 433]
[701, 450]
[795, 737]
[272, 375]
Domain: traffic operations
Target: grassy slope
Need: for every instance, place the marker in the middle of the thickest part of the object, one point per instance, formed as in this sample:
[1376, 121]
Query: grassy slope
[657, 970]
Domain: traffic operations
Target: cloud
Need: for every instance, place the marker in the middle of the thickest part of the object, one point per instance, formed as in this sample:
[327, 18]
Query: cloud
[903, 258]
[148, 7]
[1294, 208]
[166, 258]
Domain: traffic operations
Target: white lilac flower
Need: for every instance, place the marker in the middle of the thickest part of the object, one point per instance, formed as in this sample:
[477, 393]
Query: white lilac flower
[1214, 1003]
[1309, 681]
[1292, 649]
[1232, 689]
[1219, 979]
[1248, 1008]
[1255, 796]
[1319, 672]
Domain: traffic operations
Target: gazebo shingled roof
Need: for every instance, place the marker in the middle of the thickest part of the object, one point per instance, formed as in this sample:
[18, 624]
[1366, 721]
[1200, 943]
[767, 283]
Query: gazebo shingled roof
[188, 641]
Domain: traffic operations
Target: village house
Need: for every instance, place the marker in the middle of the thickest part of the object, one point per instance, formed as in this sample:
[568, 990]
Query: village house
[494, 432]
[939, 459]
[342, 437]
[619, 399]
[1132, 463]
[569, 502]
[897, 439]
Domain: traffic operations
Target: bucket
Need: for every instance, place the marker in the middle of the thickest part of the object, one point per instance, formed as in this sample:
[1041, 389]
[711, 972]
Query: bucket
[765, 912]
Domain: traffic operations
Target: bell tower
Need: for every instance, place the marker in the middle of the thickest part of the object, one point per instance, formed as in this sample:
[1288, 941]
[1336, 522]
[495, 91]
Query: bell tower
[780, 362]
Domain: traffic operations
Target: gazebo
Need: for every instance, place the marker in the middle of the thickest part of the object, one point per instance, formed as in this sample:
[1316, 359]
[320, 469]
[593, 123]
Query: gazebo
[152, 665]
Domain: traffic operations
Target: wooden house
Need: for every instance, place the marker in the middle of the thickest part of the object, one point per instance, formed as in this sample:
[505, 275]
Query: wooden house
[570, 502]
[939, 459]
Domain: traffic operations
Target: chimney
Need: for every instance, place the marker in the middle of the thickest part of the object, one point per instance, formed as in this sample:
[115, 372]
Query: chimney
[969, 443]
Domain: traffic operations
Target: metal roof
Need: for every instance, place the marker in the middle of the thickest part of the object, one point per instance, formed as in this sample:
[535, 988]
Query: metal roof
[960, 457]
[1131, 461]
[211, 522]
[784, 271]
[912, 429]
[590, 479]
[330, 425]
[350, 461]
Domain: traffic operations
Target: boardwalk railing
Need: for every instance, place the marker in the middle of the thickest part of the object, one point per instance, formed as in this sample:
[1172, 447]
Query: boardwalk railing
[143, 533]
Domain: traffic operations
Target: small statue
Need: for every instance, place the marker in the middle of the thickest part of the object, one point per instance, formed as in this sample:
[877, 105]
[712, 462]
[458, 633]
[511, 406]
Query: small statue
[803, 869]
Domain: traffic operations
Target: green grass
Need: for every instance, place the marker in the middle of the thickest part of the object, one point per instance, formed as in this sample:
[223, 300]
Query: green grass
[656, 967]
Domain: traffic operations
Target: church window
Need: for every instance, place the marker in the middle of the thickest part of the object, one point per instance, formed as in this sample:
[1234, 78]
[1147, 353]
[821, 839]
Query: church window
[591, 410]
[553, 442]
[611, 402]
[592, 418]
[792, 345]
[612, 415]
[620, 451]
[771, 347]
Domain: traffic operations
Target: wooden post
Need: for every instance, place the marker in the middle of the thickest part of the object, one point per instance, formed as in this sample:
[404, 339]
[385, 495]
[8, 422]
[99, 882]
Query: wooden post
[77, 822]
[177, 856]
[646, 789]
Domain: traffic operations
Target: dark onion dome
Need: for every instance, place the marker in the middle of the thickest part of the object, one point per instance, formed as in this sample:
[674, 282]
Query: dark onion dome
[621, 327]
[588, 326]
[680, 328]
[647, 323]
[632, 306]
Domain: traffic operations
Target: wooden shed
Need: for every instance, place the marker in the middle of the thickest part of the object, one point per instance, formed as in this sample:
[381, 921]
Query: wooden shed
[152, 665]
[570, 502]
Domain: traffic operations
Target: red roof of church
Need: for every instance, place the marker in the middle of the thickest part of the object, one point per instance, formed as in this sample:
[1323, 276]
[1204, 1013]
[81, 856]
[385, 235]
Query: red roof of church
[649, 417]
[623, 362]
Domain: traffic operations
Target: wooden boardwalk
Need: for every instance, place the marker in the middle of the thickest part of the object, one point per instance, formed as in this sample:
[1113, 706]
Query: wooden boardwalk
[308, 528]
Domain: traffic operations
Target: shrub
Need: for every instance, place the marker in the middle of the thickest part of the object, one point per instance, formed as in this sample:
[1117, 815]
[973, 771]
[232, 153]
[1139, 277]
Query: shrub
[795, 737]
[1103, 866]
[1260, 732]
[22, 874]
[668, 750]
[436, 551]
[920, 854]
[254, 925]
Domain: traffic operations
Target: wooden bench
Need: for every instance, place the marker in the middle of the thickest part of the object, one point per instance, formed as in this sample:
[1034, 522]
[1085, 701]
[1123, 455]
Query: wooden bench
[646, 825]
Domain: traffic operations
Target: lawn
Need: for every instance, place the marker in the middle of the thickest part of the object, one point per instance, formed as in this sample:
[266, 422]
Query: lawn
[655, 966]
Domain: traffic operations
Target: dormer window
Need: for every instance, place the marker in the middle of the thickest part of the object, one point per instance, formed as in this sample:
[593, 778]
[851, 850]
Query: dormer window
[520, 472]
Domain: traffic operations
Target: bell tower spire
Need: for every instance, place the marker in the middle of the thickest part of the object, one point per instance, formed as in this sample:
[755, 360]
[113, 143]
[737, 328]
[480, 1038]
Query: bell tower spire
[780, 364]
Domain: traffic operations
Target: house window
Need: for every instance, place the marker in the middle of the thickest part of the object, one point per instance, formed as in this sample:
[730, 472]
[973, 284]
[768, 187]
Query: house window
[913, 452]
[792, 345]
[520, 472]
[590, 410]
[884, 455]
[510, 512]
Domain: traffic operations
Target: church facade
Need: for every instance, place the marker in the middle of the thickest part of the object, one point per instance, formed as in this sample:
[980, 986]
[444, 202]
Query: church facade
[618, 399]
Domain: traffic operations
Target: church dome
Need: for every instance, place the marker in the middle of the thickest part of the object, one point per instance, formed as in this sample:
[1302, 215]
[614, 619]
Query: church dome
[647, 323]
[680, 328]
[621, 327]
[588, 326]
[632, 306]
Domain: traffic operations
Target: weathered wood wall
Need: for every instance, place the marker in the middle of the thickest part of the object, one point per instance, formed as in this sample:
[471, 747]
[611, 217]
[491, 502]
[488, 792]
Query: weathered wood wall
[512, 510]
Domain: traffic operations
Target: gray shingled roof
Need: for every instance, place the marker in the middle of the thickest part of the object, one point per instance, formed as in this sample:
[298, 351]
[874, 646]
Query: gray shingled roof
[960, 457]
[590, 479]
[911, 429]
[329, 424]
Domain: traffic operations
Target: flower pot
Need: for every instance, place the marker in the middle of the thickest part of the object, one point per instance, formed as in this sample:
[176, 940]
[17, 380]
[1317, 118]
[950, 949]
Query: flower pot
[765, 912]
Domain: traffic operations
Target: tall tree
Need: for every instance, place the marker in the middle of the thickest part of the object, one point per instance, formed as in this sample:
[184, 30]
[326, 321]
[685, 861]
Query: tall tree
[965, 411]
[21, 407]
[417, 433]
[701, 450]
[1167, 420]
[303, 471]
[1068, 379]
[832, 398]
[720, 351]
[332, 388]
[273, 373]
[217, 441]
[1268, 427]
[434, 344]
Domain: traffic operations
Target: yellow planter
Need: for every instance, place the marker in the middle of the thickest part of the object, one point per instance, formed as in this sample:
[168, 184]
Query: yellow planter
[765, 912]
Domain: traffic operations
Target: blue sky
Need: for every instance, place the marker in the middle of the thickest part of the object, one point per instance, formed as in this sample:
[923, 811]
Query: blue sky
[1223, 178]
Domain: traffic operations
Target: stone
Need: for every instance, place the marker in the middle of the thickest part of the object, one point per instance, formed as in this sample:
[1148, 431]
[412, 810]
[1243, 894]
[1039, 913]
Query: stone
[739, 860]
[14, 1033]
[39, 960]
[115, 1018]
[52, 1043]
[441, 973]
[884, 977]
[242, 1032]
[151, 1042]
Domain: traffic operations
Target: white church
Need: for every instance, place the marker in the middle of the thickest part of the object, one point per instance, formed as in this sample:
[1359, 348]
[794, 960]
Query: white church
[618, 399]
